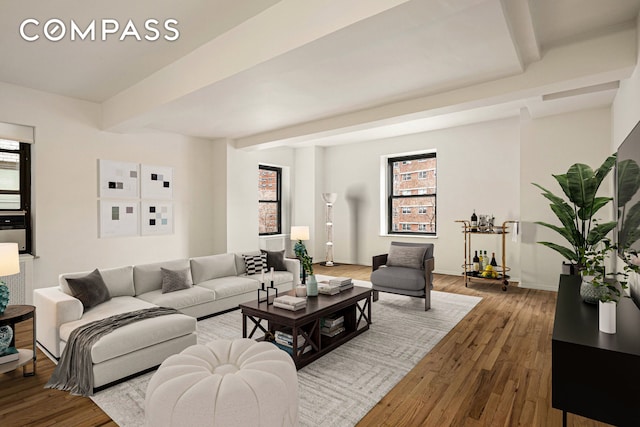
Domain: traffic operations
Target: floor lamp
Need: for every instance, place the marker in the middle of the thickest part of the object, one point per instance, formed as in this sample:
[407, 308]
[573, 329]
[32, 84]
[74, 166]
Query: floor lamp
[329, 199]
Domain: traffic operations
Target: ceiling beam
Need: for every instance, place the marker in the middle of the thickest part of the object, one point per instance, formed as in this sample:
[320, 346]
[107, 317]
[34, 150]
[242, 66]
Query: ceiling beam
[287, 25]
[589, 62]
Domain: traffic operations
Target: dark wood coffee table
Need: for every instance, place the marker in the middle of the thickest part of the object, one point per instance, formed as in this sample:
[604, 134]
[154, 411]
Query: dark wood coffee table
[354, 304]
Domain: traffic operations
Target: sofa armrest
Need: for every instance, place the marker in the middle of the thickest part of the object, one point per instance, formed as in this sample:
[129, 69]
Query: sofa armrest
[378, 261]
[293, 265]
[53, 308]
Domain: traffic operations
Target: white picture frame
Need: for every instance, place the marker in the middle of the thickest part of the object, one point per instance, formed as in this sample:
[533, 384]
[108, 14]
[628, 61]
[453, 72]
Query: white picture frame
[118, 218]
[118, 180]
[156, 182]
[156, 218]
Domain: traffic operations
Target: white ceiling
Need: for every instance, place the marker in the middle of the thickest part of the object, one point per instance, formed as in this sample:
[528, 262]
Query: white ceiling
[268, 73]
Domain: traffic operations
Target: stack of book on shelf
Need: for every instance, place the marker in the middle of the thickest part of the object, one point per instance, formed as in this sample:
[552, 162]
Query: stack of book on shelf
[284, 340]
[343, 282]
[9, 354]
[332, 326]
[289, 302]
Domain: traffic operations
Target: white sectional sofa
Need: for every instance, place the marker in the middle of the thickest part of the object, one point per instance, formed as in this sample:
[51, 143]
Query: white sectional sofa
[220, 283]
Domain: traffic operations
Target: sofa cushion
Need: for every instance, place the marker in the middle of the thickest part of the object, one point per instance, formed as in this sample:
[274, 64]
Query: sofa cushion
[148, 277]
[275, 260]
[179, 300]
[406, 256]
[119, 280]
[212, 266]
[134, 336]
[90, 289]
[255, 264]
[176, 280]
[241, 268]
[279, 277]
[226, 287]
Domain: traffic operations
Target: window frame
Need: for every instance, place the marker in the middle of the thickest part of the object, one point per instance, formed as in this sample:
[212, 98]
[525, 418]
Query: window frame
[278, 200]
[24, 191]
[393, 159]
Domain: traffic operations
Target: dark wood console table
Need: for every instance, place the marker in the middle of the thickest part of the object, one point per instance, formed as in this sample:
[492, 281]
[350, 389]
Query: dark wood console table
[594, 374]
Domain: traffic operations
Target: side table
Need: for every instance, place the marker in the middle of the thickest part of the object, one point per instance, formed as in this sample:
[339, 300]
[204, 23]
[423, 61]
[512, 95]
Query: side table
[15, 314]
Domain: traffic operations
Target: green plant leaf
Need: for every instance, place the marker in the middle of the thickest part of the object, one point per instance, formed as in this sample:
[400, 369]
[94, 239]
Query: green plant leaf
[604, 169]
[582, 185]
[565, 252]
[598, 232]
[598, 203]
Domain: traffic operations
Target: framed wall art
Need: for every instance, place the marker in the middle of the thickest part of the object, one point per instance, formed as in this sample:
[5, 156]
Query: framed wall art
[156, 218]
[118, 179]
[118, 218]
[156, 182]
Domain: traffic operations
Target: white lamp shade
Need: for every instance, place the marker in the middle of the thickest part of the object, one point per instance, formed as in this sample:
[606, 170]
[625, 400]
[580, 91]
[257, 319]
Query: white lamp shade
[329, 197]
[299, 232]
[9, 259]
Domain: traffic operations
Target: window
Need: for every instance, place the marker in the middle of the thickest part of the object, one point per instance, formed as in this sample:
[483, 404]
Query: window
[15, 181]
[406, 177]
[415, 199]
[270, 200]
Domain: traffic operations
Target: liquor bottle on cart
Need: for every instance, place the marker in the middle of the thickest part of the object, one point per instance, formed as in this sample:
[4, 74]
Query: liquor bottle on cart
[474, 221]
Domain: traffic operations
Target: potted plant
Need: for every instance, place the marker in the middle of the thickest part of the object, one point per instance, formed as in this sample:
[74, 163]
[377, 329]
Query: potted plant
[576, 214]
[306, 262]
[604, 289]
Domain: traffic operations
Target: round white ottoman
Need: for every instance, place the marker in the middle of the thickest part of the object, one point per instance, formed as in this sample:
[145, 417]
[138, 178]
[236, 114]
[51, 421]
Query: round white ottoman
[237, 382]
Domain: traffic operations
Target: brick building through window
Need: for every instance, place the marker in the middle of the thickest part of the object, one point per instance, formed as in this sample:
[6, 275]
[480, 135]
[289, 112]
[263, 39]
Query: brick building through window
[269, 200]
[412, 194]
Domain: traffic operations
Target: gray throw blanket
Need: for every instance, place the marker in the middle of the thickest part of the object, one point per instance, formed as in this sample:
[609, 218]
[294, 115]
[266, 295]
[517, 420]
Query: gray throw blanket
[74, 372]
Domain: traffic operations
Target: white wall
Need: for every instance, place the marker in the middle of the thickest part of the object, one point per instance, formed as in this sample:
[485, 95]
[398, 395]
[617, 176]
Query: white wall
[67, 147]
[550, 145]
[242, 194]
[478, 168]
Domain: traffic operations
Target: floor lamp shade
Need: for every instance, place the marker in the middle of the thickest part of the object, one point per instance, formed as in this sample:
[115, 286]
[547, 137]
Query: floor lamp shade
[329, 200]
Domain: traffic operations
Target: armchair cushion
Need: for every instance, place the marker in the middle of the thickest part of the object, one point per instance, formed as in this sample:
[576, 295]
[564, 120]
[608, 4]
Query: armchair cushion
[406, 256]
[408, 281]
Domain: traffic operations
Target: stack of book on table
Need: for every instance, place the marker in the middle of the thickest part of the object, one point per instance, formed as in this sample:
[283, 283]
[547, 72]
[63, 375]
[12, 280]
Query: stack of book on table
[289, 302]
[284, 340]
[332, 326]
[10, 354]
[326, 288]
[343, 282]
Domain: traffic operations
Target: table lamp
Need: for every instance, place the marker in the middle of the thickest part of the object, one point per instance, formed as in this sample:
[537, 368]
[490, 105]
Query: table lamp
[9, 264]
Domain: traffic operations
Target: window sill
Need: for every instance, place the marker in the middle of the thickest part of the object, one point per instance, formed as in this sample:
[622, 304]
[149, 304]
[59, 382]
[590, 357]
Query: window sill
[412, 236]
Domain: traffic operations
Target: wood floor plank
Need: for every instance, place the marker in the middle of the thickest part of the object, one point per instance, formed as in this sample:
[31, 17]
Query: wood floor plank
[492, 369]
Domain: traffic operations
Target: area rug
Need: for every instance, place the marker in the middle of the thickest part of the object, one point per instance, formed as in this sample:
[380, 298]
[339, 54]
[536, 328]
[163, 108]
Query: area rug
[342, 386]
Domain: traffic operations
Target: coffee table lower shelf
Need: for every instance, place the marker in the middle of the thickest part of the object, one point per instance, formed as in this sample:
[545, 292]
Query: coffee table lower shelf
[354, 304]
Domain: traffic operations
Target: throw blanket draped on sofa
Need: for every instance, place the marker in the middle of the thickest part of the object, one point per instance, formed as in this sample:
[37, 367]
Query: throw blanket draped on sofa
[74, 372]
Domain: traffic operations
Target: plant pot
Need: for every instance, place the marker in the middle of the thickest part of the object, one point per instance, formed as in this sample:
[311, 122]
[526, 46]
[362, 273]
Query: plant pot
[570, 268]
[589, 293]
[301, 291]
[312, 286]
[607, 316]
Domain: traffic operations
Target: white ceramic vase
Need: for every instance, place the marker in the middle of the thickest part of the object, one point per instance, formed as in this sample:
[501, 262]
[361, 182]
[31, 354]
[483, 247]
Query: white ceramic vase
[607, 316]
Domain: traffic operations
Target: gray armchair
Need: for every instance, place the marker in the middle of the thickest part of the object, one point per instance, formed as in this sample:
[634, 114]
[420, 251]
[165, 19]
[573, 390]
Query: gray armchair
[406, 270]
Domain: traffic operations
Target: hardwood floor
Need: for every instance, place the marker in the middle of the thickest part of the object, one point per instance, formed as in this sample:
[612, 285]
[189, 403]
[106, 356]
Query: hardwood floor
[492, 369]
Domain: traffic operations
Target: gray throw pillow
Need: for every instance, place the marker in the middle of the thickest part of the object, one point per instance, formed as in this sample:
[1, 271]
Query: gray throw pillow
[90, 289]
[176, 280]
[275, 259]
[255, 263]
[406, 256]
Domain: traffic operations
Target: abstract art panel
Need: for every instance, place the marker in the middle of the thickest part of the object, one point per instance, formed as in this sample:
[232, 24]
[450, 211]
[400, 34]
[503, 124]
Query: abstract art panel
[156, 182]
[118, 218]
[156, 218]
[118, 179]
